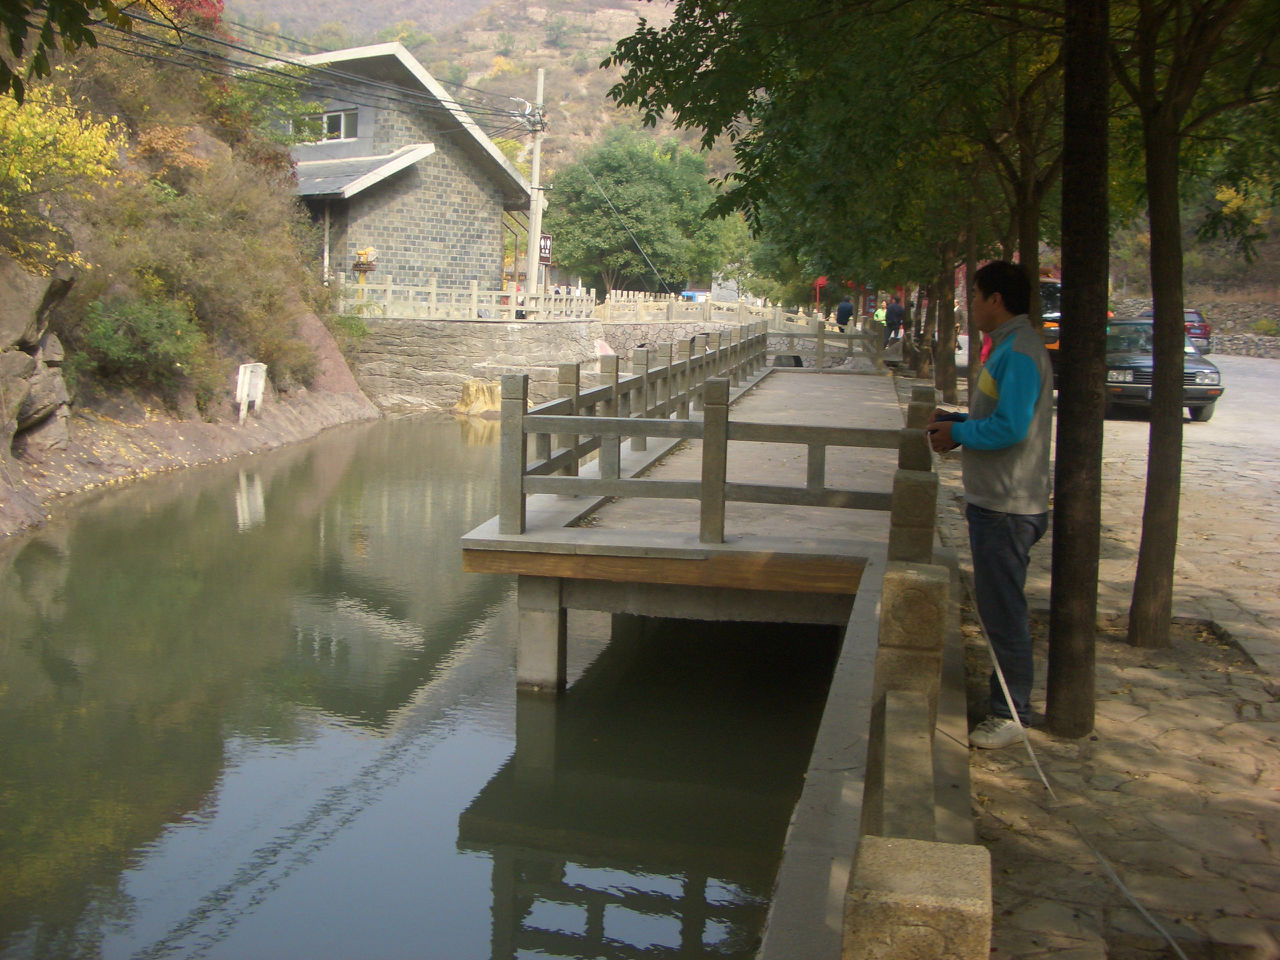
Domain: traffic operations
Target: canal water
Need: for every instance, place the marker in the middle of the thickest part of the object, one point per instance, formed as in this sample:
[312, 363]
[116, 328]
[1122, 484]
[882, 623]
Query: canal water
[256, 710]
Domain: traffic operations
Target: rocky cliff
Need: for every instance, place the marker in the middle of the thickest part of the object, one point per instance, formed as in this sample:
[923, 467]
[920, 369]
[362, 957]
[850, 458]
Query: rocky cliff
[52, 446]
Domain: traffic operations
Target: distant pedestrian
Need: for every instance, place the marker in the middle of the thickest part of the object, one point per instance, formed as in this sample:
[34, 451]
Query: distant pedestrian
[893, 318]
[844, 313]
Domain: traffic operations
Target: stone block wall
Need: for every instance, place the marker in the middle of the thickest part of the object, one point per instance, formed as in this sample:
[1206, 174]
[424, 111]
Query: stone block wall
[427, 362]
[625, 337]
[439, 219]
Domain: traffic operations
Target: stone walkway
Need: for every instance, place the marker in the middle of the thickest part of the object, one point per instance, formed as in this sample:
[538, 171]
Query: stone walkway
[1178, 787]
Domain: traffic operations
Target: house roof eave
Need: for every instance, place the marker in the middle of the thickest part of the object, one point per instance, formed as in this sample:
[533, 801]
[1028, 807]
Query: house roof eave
[515, 188]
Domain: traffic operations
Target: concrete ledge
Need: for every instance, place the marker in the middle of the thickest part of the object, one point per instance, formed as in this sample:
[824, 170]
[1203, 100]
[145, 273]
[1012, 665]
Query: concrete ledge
[917, 900]
[908, 766]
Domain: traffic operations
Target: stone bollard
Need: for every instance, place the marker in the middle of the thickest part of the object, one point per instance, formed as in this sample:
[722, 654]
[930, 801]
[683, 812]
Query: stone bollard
[913, 626]
[924, 400]
[916, 900]
[911, 515]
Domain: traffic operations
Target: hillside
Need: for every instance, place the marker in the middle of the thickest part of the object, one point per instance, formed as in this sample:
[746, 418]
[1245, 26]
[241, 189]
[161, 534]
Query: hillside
[495, 52]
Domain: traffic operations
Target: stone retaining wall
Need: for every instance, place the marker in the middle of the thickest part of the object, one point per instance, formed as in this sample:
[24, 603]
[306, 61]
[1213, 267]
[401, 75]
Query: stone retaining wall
[428, 363]
[1234, 323]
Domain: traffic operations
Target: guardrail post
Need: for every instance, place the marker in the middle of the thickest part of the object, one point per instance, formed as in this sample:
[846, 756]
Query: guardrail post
[663, 400]
[640, 367]
[924, 400]
[715, 459]
[699, 369]
[735, 356]
[911, 515]
[684, 350]
[610, 447]
[568, 388]
[512, 457]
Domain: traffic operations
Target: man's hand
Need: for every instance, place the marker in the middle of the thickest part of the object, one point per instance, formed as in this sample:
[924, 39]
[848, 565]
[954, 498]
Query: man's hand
[939, 432]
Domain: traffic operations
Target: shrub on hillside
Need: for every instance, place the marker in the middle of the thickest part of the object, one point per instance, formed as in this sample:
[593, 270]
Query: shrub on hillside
[154, 342]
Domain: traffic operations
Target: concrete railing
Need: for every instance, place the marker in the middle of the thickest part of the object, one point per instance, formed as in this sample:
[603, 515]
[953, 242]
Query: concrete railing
[918, 873]
[642, 406]
[627, 306]
[404, 301]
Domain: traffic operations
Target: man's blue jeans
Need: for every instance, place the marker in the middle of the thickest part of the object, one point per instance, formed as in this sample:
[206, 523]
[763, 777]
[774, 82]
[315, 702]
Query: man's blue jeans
[1001, 546]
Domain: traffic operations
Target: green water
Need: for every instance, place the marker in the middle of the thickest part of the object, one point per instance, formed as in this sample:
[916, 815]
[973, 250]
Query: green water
[257, 710]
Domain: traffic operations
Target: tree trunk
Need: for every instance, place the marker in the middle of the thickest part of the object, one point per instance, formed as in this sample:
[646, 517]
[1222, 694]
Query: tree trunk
[1152, 604]
[975, 336]
[1077, 508]
[924, 343]
[944, 377]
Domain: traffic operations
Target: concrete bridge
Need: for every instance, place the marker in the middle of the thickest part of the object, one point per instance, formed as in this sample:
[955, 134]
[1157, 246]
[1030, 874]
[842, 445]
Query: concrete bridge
[709, 484]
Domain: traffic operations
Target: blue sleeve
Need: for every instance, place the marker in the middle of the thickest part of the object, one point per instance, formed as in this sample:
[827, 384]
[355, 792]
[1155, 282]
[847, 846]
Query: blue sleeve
[1018, 388]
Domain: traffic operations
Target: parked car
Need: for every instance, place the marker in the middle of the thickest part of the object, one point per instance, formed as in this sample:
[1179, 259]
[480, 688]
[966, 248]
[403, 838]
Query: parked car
[1198, 329]
[1129, 370]
[1051, 314]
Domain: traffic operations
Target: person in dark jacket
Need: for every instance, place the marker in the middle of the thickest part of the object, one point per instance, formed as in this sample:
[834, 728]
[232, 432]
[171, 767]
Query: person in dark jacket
[844, 312]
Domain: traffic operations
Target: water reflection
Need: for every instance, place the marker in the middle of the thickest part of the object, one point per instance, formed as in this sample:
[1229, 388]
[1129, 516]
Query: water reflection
[647, 808]
[153, 625]
[257, 710]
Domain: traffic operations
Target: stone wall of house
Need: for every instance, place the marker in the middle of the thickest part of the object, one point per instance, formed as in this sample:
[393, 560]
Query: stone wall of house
[440, 219]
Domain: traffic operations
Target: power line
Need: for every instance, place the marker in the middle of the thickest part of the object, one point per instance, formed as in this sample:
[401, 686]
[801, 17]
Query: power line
[351, 88]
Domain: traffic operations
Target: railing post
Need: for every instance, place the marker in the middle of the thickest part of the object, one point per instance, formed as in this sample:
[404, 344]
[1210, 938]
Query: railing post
[567, 388]
[610, 447]
[699, 369]
[822, 345]
[512, 457]
[640, 366]
[684, 350]
[715, 459]
[663, 401]
[924, 400]
[735, 356]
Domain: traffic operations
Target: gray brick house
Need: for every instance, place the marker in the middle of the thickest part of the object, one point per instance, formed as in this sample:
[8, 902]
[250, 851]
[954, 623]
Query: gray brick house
[403, 169]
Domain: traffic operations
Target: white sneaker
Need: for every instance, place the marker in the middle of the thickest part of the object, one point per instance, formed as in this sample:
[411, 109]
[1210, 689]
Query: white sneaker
[995, 732]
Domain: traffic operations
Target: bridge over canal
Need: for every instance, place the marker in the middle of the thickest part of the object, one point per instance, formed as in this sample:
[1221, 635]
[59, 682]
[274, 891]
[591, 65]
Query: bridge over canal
[809, 503]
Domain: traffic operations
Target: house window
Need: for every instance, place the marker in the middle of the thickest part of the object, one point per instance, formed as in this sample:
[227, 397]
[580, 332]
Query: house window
[336, 125]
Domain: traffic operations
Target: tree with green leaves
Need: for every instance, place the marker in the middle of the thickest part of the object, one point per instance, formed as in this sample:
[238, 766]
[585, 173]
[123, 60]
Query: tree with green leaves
[34, 28]
[631, 214]
[1189, 68]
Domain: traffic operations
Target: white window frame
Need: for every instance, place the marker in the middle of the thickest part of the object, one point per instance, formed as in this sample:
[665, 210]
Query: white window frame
[346, 125]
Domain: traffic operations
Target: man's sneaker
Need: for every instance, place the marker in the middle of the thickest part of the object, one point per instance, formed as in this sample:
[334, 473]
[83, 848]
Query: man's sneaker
[995, 732]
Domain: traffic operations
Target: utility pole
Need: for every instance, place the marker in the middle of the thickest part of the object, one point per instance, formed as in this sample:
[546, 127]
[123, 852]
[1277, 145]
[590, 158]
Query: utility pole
[537, 123]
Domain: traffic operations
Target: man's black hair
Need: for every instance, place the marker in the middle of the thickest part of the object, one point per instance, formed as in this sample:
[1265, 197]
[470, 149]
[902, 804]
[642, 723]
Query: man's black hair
[1007, 279]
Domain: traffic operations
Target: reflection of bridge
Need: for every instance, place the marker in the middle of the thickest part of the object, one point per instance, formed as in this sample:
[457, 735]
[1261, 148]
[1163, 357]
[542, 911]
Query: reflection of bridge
[810, 505]
[684, 792]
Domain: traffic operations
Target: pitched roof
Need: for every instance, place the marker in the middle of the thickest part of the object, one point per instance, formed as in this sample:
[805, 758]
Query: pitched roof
[342, 178]
[381, 63]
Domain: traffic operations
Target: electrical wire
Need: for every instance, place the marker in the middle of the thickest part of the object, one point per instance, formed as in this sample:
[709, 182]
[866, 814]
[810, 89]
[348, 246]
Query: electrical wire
[185, 56]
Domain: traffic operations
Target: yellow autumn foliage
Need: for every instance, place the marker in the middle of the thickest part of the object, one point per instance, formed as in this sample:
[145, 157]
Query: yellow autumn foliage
[51, 152]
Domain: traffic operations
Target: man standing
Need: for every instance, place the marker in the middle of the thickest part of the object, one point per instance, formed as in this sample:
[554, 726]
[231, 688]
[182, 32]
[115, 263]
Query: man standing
[1006, 484]
[893, 318]
[843, 313]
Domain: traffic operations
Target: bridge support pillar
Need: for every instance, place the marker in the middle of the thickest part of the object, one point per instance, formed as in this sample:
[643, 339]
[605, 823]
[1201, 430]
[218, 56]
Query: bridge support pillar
[541, 652]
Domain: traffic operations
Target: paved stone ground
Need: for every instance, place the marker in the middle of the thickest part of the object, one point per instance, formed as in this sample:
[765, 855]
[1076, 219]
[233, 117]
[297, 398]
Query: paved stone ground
[1178, 787]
